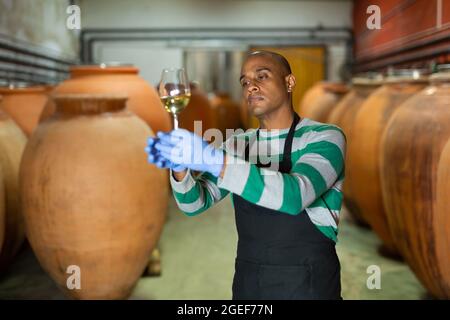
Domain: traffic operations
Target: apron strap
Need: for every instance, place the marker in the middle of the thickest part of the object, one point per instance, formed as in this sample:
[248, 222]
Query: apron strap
[285, 164]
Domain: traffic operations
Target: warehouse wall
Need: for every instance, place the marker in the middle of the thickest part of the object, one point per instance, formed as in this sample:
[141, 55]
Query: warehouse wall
[147, 56]
[146, 19]
[411, 33]
[214, 14]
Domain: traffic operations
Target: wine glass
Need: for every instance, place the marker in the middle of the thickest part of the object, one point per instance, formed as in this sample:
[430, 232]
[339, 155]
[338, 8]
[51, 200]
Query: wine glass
[174, 91]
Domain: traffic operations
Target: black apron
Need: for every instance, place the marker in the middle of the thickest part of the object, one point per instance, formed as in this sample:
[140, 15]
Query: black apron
[281, 256]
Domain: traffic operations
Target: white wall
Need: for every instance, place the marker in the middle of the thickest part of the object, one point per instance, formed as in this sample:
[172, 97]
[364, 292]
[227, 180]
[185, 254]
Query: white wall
[214, 13]
[336, 59]
[150, 58]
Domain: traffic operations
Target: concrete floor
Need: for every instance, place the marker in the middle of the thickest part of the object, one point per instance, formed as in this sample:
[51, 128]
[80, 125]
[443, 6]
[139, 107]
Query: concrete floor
[198, 263]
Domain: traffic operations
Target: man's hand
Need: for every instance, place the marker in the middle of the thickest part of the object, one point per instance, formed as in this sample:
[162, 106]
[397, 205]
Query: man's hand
[155, 158]
[183, 148]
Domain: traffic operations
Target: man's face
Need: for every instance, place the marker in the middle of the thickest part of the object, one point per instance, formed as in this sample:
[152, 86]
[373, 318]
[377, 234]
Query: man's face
[265, 86]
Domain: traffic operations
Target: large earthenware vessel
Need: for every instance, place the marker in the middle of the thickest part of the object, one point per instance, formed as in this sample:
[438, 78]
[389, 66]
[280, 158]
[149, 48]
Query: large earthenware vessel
[319, 101]
[226, 112]
[413, 191]
[24, 103]
[364, 161]
[12, 233]
[198, 113]
[344, 116]
[91, 201]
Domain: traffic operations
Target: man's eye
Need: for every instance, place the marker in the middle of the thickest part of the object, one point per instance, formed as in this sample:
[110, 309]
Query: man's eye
[262, 76]
[244, 83]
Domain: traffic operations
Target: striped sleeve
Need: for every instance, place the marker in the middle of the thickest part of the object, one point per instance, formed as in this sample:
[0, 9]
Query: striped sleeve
[320, 164]
[331, 202]
[195, 195]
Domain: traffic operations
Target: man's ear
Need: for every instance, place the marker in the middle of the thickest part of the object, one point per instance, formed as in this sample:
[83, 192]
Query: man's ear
[290, 82]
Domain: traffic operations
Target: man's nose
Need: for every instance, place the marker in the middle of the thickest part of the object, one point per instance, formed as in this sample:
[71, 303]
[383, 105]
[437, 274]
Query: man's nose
[252, 87]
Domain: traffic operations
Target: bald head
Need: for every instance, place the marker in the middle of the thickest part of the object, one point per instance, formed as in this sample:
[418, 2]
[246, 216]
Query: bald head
[277, 58]
[267, 82]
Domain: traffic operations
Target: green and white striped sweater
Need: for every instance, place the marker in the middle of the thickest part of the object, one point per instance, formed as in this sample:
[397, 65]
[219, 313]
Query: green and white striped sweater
[317, 174]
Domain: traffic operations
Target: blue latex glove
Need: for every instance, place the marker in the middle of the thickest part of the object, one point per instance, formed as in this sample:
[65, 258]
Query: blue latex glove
[155, 157]
[185, 148]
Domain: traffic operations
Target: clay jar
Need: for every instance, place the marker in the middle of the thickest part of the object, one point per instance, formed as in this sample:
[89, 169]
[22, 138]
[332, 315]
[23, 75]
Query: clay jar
[320, 99]
[344, 116]
[198, 109]
[225, 111]
[411, 149]
[24, 102]
[364, 161]
[91, 201]
[12, 233]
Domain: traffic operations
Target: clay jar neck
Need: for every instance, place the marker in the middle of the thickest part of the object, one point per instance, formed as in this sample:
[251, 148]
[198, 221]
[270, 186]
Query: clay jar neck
[22, 90]
[335, 87]
[407, 84]
[365, 89]
[404, 78]
[3, 115]
[366, 83]
[88, 104]
[102, 69]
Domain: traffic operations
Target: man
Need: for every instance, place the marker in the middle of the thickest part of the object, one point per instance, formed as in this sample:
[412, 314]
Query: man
[286, 218]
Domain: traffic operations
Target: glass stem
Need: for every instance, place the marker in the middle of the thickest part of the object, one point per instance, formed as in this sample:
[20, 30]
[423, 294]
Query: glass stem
[175, 121]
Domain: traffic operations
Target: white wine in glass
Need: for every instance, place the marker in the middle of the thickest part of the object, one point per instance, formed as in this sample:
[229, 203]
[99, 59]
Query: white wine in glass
[174, 92]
